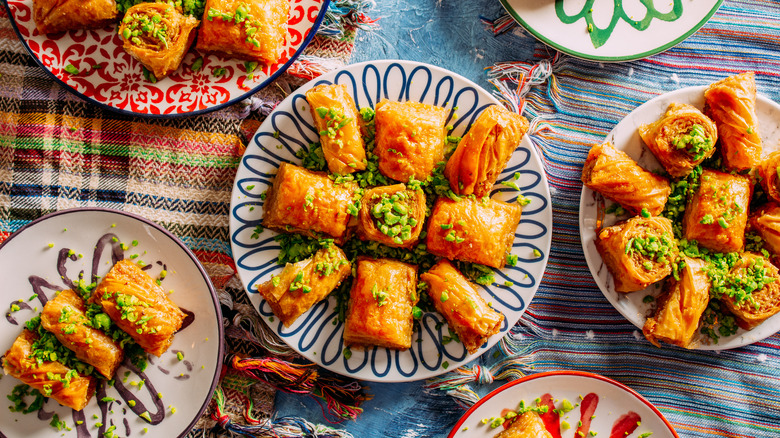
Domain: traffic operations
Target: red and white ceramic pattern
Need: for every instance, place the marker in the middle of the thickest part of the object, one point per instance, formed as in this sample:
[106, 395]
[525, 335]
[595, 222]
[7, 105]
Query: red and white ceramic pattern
[119, 82]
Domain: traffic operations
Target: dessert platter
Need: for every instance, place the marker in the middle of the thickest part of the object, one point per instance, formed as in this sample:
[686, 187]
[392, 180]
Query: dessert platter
[101, 55]
[107, 330]
[501, 232]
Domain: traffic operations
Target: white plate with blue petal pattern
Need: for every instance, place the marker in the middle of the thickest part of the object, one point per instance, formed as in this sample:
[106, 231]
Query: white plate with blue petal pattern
[314, 335]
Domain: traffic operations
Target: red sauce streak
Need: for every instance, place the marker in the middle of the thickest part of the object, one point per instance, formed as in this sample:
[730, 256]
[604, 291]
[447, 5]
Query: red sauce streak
[625, 425]
[550, 418]
[587, 408]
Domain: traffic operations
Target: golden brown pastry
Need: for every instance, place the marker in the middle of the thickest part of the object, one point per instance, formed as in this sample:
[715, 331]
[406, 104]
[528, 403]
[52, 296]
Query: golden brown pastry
[60, 15]
[158, 36]
[473, 230]
[616, 176]
[680, 307]
[382, 297]
[338, 122]
[253, 30]
[459, 301]
[681, 139]
[410, 139]
[139, 306]
[769, 170]
[392, 215]
[638, 252]
[301, 285]
[731, 103]
[484, 151]
[527, 425]
[51, 378]
[716, 215]
[306, 202]
[761, 303]
[766, 222]
[65, 317]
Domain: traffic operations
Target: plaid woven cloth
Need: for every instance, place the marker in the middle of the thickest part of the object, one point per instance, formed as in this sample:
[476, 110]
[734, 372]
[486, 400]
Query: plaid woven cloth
[569, 325]
[58, 151]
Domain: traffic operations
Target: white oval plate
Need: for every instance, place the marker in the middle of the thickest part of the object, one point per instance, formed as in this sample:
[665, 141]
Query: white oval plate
[615, 35]
[120, 85]
[187, 386]
[314, 335]
[614, 400]
[626, 138]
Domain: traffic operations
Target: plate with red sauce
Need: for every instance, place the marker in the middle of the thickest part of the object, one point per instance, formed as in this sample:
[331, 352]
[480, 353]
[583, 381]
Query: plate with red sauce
[172, 392]
[578, 404]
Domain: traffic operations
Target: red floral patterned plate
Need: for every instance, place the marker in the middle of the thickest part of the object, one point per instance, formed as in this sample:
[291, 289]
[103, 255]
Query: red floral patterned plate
[111, 78]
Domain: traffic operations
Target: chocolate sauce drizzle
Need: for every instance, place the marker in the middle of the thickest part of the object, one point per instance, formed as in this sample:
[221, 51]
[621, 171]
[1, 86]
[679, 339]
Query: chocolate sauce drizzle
[45, 290]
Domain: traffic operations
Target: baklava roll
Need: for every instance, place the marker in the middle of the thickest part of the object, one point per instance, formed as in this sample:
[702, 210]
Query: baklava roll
[50, 377]
[310, 203]
[65, 317]
[158, 36]
[410, 139]
[392, 215]
[139, 306]
[769, 170]
[766, 222]
[301, 285]
[526, 425]
[484, 151]
[716, 215]
[753, 270]
[466, 312]
[338, 123]
[638, 252]
[681, 139]
[473, 230]
[616, 176]
[681, 306]
[61, 15]
[253, 30]
[731, 103]
[382, 297]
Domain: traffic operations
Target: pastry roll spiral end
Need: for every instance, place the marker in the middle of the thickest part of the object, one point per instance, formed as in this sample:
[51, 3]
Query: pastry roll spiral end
[158, 36]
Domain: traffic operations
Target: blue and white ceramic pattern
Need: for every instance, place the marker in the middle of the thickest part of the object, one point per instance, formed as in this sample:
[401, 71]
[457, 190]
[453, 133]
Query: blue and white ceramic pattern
[315, 334]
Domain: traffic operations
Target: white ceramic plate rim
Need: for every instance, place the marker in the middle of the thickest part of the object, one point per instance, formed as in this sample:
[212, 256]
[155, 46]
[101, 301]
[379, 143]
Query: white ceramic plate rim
[513, 389]
[554, 43]
[625, 137]
[174, 240]
[545, 214]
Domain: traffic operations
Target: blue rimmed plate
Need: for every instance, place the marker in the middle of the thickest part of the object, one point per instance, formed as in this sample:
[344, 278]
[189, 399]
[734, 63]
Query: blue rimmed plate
[48, 255]
[290, 128]
[112, 79]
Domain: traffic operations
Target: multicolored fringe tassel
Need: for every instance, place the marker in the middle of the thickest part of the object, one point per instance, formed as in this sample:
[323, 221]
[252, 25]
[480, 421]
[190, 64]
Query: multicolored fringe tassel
[346, 14]
[500, 25]
[246, 325]
[342, 397]
[282, 427]
[513, 80]
[310, 67]
[456, 383]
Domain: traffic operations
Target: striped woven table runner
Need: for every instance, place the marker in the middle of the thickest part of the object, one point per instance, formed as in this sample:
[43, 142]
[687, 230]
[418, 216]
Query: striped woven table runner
[58, 151]
[569, 324]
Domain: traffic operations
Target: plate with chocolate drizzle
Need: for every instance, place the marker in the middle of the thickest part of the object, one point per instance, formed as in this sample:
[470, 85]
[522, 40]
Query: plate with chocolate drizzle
[126, 288]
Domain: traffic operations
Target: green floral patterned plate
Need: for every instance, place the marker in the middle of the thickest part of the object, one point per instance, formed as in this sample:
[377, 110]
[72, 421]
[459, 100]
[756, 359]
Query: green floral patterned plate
[617, 30]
